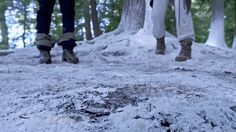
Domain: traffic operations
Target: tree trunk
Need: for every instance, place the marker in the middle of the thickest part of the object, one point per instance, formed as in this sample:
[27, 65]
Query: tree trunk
[3, 26]
[87, 20]
[133, 15]
[216, 36]
[96, 28]
[24, 24]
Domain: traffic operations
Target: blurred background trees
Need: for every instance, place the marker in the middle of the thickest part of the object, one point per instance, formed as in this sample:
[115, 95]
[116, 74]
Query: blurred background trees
[95, 17]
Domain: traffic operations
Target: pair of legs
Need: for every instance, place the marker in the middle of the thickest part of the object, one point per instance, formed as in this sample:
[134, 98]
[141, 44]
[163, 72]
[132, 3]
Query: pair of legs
[184, 25]
[67, 40]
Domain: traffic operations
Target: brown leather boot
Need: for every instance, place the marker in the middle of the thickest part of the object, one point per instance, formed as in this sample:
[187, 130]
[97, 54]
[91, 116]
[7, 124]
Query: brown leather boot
[186, 51]
[160, 46]
[69, 56]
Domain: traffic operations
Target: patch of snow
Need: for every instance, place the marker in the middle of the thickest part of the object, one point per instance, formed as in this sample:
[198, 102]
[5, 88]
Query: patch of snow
[234, 42]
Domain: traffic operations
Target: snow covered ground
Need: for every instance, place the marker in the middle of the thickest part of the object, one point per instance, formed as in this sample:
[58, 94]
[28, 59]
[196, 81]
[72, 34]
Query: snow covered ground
[119, 86]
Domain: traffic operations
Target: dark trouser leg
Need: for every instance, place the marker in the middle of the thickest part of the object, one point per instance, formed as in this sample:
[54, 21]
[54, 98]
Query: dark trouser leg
[68, 15]
[67, 40]
[43, 40]
[44, 15]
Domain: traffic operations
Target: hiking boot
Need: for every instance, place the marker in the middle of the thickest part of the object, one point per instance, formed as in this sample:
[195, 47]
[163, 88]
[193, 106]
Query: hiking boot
[185, 52]
[44, 44]
[45, 57]
[160, 46]
[69, 56]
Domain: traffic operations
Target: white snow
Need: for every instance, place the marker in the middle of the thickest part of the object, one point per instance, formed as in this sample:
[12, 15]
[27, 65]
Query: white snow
[120, 85]
[234, 42]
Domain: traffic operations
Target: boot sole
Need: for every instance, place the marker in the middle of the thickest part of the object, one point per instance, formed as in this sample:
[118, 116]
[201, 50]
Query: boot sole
[69, 61]
[45, 62]
[182, 59]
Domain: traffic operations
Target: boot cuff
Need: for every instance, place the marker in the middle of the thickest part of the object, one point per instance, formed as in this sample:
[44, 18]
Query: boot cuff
[67, 37]
[44, 40]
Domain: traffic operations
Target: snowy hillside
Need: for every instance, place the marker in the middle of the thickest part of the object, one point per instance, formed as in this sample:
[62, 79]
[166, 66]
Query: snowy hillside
[119, 86]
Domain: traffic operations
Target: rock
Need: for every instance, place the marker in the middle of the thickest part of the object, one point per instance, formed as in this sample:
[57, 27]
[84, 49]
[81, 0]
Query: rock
[97, 110]
[233, 108]
[5, 52]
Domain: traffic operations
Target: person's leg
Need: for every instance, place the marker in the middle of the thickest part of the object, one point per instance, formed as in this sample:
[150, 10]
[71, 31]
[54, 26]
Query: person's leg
[67, 8]
[67, 40]
[158, 17]
[44, 15]
[185, 30]
[184, 23]
[43, 40]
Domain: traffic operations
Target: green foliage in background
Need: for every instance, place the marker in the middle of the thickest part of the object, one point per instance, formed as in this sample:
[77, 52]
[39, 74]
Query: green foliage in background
[109, 14]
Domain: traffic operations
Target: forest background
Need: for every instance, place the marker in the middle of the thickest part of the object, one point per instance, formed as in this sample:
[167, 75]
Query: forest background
[95, 17]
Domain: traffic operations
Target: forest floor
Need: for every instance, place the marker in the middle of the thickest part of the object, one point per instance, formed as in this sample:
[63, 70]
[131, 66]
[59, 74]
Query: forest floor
[120, 85]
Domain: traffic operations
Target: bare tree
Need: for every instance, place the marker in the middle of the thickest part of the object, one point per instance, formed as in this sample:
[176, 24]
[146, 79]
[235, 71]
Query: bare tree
[217, 31]
[87, 19]
[94, 15]
[25, 13]
[3, 26]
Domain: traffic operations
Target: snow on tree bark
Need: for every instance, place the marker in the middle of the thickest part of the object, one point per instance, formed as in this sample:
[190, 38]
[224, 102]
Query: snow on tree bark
[132, 19]
[216, 36]
[234, 42]
[133, 15]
